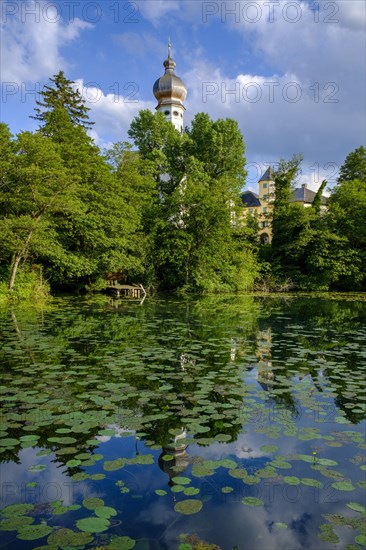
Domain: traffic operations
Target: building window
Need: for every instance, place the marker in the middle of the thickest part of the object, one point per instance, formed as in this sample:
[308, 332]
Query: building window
[264, 186]
[250, 210]
[264, 209]
[175, 113]
[265, 197]
[166, 113]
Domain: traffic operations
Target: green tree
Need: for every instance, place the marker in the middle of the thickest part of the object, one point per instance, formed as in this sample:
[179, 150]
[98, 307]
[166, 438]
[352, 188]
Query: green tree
[37, 188]
[220, 147]
[347, 206]
[60, 96]
[200, 175]
[354, 166]
[99, 236]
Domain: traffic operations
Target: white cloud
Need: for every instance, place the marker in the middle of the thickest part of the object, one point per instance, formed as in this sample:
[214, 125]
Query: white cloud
[318, 60]
[352, 14]
[155, 10]
[32, 40]
[112, 112]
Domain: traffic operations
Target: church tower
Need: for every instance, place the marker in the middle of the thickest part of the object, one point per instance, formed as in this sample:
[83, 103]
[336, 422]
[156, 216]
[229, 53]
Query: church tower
[170, 93]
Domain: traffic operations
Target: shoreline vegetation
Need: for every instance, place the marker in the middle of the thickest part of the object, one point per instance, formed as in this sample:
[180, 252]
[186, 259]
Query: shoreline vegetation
[164, 211]
[36, 293]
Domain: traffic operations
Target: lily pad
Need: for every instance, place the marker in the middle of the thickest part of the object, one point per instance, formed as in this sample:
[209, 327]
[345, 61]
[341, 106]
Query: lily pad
[112, 465]
[291, 480]
[180, 480]
[188, 507]
[227, 489]
[357, 507]
[252, 501]
[343, 486]
[191, 491]
[15, 523]
[34, 532]
[92, 503]
[105, 512]
[66, 537]
[361, 539]
[14, 510]
[121, 543]
[93, 524]
[269, 448]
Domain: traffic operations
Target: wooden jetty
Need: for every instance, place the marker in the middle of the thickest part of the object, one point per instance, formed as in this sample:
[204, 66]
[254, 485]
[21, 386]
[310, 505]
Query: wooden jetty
[129, 291]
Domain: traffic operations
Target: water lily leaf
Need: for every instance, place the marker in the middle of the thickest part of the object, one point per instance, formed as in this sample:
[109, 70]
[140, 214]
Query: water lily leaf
[33, 532]
[73, 463]
[327, 534]
[310, 482]
[66, 537]
[97, 477]
[188, 507]
[121, 543]
[180, 480]
[112, 465]
[14, 510]
[160, 492]
[92, 503]
[238, 473]
[251, 480]
[198, 470]
[269, 448]
[291, 480]
[227, 489]
[177, 488]
[357, 507]
[361, 539]
[343, 486]
[93, 524]
[13, 524]
[36, 468]
[105, 512]
[227, 463]
[191, 491]
[326, 462]
[252, 501]
[9, 442]
[280, 525]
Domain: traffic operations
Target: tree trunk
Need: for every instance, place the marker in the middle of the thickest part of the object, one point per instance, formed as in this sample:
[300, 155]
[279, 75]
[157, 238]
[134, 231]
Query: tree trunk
[14, 270]
[19, 255]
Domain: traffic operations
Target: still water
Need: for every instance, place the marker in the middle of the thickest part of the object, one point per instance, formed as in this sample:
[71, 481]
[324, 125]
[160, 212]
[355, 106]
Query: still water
[216, 423]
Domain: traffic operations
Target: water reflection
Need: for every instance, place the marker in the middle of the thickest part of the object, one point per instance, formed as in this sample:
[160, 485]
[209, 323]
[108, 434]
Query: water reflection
[178, 385]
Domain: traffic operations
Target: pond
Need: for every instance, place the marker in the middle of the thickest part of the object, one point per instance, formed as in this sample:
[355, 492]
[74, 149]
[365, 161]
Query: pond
[229, 422]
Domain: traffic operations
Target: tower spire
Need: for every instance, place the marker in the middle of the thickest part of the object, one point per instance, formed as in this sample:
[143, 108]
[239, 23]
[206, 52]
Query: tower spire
[171, 92]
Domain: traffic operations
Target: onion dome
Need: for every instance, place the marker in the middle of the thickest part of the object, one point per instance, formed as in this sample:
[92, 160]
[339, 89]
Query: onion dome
[169, 89]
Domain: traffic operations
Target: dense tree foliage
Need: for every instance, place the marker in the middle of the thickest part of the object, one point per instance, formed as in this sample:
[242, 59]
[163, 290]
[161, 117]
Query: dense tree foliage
[321, 249]
[165, 211]
[354, 167]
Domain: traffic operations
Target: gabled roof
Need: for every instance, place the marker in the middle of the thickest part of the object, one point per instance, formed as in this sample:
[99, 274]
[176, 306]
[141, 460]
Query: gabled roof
[303, 194]
[268, 175]
[250, 199]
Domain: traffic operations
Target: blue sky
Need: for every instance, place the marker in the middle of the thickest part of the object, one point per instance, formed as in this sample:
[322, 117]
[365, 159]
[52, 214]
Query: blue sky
[291, 73]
